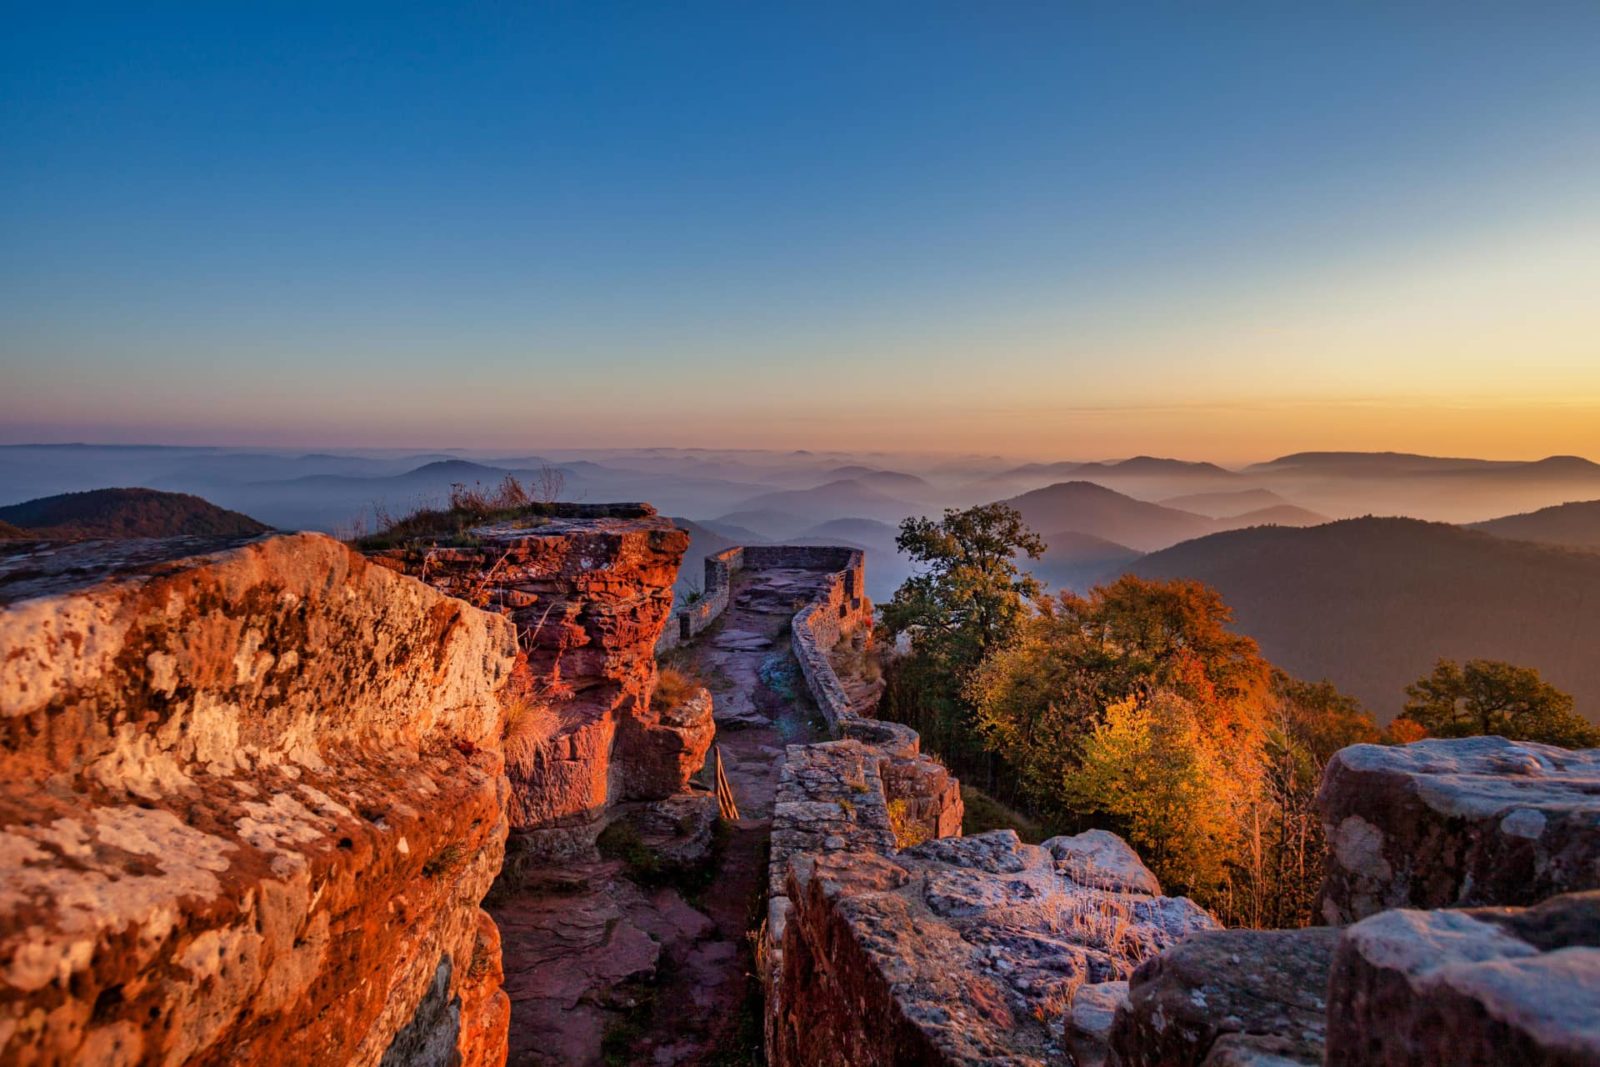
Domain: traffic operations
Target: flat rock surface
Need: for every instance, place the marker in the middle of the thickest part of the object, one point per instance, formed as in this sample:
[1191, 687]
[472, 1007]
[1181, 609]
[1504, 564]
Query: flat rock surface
[249, 801]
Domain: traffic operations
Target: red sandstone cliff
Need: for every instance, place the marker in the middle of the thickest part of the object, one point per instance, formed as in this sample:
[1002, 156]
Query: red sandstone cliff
[249, 802]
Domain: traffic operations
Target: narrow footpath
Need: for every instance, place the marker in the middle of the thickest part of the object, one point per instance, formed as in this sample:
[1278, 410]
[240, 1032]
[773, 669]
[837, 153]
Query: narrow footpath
[614, 966]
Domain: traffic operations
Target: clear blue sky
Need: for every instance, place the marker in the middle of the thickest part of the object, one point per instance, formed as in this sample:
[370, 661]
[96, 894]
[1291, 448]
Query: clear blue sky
[1221, 230]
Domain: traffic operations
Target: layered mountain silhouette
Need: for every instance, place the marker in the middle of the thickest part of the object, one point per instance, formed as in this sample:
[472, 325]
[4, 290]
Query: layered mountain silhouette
[1087, 508]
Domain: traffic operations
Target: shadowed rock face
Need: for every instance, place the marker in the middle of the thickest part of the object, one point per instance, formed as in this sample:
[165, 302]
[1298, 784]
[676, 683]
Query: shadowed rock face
[249, 801]
[1225, 996]
[1477, 987]
[1448, 823]
[958, 951]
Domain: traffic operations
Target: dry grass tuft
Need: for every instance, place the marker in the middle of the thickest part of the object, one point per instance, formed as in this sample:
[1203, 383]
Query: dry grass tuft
[468, 506]
[673, 687]
[908, 833]
[530, 722]
[856, 659]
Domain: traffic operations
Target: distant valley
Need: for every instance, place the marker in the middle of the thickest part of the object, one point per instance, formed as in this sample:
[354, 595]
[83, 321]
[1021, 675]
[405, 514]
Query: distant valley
[1367, 603]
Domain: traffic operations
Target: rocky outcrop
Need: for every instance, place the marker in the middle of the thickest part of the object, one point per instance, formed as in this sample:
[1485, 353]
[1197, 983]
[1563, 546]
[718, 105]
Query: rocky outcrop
[588, 589]
[1228, 997]
[250, 799]
[668, 745]
[958, 951]
[1438, 824]
[1448, 823]
[1476, 988]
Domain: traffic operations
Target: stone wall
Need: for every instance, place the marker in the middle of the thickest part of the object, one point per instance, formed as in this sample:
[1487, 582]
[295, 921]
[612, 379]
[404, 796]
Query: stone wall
[890, 941]
[250, 799]
[589, 590]
[691, 620]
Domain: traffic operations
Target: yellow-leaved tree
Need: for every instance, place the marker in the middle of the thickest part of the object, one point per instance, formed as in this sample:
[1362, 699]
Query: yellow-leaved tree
[1176, 792]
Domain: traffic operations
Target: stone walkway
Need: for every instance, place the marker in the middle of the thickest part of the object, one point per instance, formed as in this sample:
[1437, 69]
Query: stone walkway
[604, 970]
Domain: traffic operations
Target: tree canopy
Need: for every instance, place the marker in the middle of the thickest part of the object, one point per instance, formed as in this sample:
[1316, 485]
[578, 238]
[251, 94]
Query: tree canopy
[1490, 697]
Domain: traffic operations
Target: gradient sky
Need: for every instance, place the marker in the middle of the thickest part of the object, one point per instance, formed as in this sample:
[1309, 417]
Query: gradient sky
[1063, 230]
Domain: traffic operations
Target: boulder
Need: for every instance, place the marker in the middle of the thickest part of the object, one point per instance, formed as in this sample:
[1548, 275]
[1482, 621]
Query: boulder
[664, 747]
[959, 951]
[1102, 860]
[1474, 987]
[1447, 823]
[1228, 997]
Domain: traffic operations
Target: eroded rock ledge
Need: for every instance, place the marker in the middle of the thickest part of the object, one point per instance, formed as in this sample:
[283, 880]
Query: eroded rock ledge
[588, 589]
[249, 802]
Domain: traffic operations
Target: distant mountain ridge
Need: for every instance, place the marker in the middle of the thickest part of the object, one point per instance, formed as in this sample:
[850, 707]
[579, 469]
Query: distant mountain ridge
[1575, 525]
[1371, 603]
[125, 513]
[1090, 508]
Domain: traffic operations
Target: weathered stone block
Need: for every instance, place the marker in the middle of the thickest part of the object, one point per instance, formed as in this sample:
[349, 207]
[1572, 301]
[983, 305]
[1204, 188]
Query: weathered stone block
[1446, 823]
[1226, 996]
[959, 951]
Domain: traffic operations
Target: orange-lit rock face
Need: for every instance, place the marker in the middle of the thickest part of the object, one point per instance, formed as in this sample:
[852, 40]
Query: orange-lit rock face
[588, 595]
[249, 802]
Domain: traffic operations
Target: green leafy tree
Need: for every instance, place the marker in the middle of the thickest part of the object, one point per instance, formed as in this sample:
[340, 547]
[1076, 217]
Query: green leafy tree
[968, 599]
[1491, 697]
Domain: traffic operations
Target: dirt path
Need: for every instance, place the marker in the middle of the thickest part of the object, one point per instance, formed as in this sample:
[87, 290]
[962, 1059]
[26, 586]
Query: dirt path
[606, 966]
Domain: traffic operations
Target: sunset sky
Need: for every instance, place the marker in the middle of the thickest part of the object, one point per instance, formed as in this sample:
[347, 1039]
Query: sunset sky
[1055, 230]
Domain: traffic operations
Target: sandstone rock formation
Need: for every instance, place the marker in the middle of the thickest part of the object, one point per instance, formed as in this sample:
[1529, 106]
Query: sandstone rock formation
[249, 802]
[961, 950]
[588, 589]
[1475, 988]
[1445, 823]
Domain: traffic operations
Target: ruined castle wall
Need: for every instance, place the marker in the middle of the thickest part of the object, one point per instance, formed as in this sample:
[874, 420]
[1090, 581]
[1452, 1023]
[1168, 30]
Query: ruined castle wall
[249, 802]
[692, 620]
[589, 590]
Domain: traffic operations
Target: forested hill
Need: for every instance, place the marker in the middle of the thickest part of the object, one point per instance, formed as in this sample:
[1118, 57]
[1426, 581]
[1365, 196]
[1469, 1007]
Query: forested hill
[1370, 604]
[1575, 525]
[118, 513]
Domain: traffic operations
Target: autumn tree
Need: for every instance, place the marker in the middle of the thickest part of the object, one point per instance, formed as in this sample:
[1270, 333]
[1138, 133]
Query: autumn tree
[1281, 865]
[1167, 786]
[969, 598]
[1035, 697]
[1491, 697]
